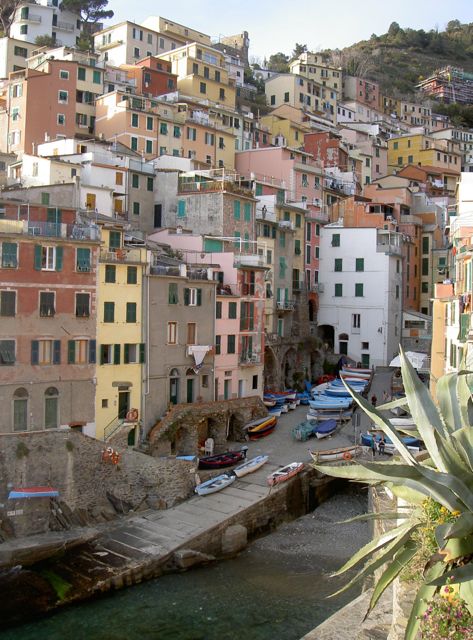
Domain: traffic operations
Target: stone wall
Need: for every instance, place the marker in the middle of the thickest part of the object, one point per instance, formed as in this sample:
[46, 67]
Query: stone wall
[90, 490]
[185, 428]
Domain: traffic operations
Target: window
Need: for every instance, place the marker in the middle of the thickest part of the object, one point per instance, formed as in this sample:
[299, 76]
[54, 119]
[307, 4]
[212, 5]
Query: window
[209, 138]
[181, 209]
[135, 181]
[203, 87]
[45, 352]
[231, 344]
[247, 211]
[399, 160]
[131, 275]
[307, 253]
[163, 128]
[335, 240]
[173, 295]
[358, 289]
[282, 239]
[81, 73]
[134, 120]
[81, 351]
[192, 297]
[110, 273]
[109, 312]
[20, 409]
[425, 287]
[232, 310]
[96, 77]
[221, 94]
[355, 320]
[48, 258]
[9, 252]
[218, 345]
[236, 209]
[218, 310]
[338, 290]
[177, 132]
[360, 264]
[425, 245]
[134, 143]
[131, 312]
[191, 133]
[24, 29]
[7, 303]
[365, 359]
[51, 408]
[172, 333]
[110, 354]
[338, 264]
[83, 259]
[148, 146]
[397, 292]
[425, 266]
[61, 119]
[136, 208]
[7, 352]
[297, 247]
[191, 333]
[22, 52]
[47, 304]
[64, 75]
[305, 180]
[63, 97]
[136, 52]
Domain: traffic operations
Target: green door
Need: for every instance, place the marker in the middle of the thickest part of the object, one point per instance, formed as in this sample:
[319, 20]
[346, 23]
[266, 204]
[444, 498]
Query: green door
[190, 390]
[174, 390]
[123, 404]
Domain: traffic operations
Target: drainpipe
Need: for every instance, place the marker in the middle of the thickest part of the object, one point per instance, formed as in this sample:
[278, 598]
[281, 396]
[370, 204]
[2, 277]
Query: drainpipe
[145, 337]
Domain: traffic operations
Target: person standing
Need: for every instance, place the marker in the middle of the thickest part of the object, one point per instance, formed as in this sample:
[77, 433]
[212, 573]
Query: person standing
[374, 400]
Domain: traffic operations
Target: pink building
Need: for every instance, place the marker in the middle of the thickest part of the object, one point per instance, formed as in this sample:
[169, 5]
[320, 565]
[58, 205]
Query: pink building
[240, 300]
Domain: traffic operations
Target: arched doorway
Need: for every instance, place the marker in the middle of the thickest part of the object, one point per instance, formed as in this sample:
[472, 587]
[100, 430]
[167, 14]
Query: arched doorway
[51, 408]
[174, 386]
[343, 344]
[327, 334]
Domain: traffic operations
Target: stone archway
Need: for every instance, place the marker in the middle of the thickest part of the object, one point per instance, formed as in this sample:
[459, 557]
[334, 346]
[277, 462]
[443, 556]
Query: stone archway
[234, 427]
[271, 369]
[327, 334]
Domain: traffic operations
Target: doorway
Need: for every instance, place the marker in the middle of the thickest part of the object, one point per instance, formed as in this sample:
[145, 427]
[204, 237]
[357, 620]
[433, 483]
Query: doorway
[123, 404]
[190, 390]
[174, 386]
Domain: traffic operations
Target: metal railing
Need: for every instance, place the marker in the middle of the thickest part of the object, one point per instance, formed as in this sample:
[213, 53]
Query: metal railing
[112, 428]
[285, 305]
[50, 229]
[120, 255]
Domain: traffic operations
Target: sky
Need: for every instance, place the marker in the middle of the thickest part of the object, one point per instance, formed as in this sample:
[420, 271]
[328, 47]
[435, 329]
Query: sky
[276, 25]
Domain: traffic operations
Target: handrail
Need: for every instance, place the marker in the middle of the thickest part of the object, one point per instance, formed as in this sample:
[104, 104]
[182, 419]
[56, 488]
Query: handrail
[112, 427]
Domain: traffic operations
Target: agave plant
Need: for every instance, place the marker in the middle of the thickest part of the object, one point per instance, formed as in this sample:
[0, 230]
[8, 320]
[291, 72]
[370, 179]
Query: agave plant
[444, 474]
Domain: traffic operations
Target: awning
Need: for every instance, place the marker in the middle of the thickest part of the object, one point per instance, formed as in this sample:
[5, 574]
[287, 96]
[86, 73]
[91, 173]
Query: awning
[198, 352]
[33, 492]
[417, 359]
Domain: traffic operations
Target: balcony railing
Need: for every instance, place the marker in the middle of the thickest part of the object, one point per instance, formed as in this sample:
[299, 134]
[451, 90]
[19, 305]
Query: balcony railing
[248, 260]
[50, 229]
[250, 359]
[65, 26]
[285, 305]
[120, 255]
[32, 17]
[298, 285]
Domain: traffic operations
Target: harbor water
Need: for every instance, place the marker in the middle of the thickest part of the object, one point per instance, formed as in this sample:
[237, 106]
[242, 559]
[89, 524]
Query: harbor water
[276, 588]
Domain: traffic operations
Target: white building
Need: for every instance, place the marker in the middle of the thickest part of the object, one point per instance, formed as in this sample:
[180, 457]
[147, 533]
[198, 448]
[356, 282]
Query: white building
[45, 18]
[360, 292]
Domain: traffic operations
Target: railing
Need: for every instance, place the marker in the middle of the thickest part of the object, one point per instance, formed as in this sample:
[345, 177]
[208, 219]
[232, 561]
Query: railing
[143, 167]
[32, 17]
[285, 305]
[272, 338]
[163, 270]
[65, 26]
[50, 229]
[112, 428]
[298, 285]
[250, 359]
[120, 255]
[197, 274]
[248, 260]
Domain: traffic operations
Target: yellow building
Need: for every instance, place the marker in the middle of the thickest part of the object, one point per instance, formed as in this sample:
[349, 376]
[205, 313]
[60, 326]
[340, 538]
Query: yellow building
[422, 150]
[120, 333]
[202, 73]
[292, 130]
[312, 66]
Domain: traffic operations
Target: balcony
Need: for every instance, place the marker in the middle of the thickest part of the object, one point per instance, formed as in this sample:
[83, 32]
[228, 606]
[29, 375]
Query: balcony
[108, 45]
[272, 338]
[250, 359]
[247, 289]
[298, 285]
[50, 229]
[248, 260]
[388, 242]
[31, 17]
[120, 255]
[285, 305]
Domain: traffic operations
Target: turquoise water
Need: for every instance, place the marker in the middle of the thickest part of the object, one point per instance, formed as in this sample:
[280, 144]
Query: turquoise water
[274, 589]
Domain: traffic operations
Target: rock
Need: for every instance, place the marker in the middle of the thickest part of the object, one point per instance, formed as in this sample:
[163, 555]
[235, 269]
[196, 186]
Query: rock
[234, 539]
[187, 558]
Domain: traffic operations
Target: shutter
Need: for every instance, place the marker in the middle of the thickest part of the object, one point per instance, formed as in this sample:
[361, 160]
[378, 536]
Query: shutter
[250, 346]
[102, 354]
[57, 352]
[116, 354]
[142, 353]
[34, 352]
[92, 351]
[58, 258]
[252, 316]
[37, 257]
[199, 297]
[286, 295]
[126, 353]
[71, 351]
[186, 296]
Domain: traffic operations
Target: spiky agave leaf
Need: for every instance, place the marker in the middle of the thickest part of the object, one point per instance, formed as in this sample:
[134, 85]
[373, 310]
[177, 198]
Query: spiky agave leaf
[447, 397]
[421, 602]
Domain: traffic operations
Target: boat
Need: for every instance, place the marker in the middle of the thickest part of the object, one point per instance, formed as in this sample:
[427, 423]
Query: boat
[284, 407]
[222, 460]
[284, 473]
[287, 395]
[325, 428]
[256, 434]
[32, 492]
[250, 465]
[291, 405]
[304, 397]
[337, 393]
[317, 414]
[215, 484]
[357, 370]
[330, 403]
[304, 430]
[330, 455]
[355, 373]
[413, 444]
[275, 411]
[269, 402]
[260, 422]
[403, 423]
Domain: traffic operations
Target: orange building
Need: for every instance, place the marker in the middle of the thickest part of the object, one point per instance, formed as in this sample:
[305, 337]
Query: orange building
[153, 77]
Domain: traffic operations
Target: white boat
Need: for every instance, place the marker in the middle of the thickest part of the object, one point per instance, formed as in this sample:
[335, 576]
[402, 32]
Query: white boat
[284, 473]
[215, 484]
[342, 453]
[284, 408]
[292, 405]
[403, 423]
[276, 411]
[250, 465]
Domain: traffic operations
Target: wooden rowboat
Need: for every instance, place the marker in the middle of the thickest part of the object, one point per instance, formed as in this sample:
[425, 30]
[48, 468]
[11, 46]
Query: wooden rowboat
[222, 460]
[330, 455]
[214, 484]
[284, 473]
[250, 465]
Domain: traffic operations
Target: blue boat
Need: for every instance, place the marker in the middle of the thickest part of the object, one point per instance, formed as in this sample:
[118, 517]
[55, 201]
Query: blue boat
[367, 440]
[325, 428]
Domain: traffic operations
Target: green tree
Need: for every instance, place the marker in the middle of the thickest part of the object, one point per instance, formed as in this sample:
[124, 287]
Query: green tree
[278, 62]
[7, 13]
[298, 49]
[90, 11]
[435, 534]
[45, 41]
[394, 29]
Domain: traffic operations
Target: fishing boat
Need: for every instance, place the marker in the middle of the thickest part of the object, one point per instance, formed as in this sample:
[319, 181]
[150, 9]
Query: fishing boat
[275, 411]
[353, 374]
[304, 397]
[222, 460]
[250, 465]
[269, 402]
[284, 407]
[284, 473]
[215, 484]
[330, 403]
[32, 492]
[304, 430]
[403, 423]
[330, 414]
[292, 405]
[357, 370]
[413, 444]
[325, 428]
[331, 455]
[261, 423]
[261, 432]
[337, 392]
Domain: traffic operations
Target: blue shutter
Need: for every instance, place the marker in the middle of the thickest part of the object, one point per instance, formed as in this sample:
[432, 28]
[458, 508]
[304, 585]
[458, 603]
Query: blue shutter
[34, 352]
[57, 352]
[92, 351]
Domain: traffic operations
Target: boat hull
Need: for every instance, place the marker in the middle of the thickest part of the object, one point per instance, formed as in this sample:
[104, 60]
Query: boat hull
[284, 473]
[215, 484]
[330, 455]
[222, 460]
[250, 466]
